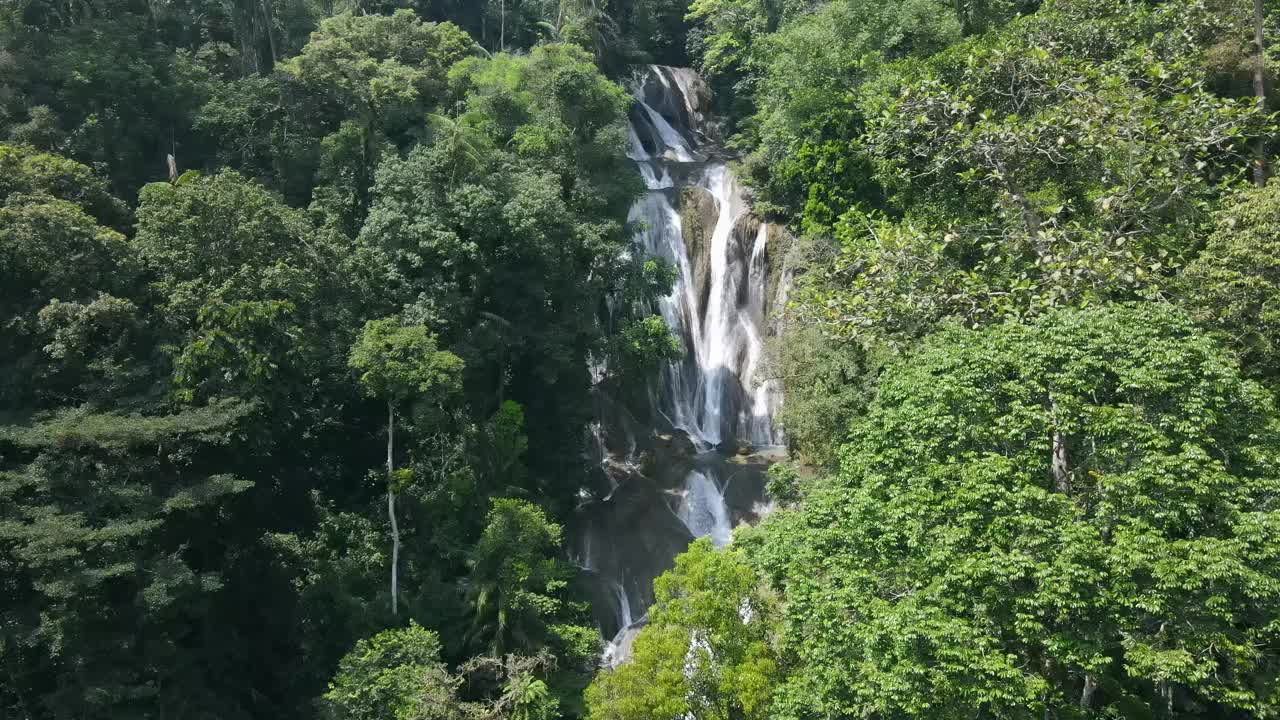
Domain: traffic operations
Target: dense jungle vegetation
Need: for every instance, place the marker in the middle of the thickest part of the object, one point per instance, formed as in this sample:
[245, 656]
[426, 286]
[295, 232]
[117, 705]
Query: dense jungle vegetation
[298, 300]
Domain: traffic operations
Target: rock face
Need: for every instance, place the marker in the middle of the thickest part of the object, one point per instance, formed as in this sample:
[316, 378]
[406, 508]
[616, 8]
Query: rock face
[698, 214]
[694, 470]
[780, 276]
[681, 96]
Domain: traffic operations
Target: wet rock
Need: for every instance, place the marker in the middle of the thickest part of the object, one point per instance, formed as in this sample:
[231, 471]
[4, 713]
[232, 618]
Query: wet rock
[676, 444]
[647, 462]
[628, 539]
[698, 214]
[745, 231]
[680, 95]
[673, 455]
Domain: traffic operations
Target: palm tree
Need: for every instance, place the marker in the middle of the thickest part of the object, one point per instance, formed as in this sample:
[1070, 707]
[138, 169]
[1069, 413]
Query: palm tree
[585, 21]
[464, 143]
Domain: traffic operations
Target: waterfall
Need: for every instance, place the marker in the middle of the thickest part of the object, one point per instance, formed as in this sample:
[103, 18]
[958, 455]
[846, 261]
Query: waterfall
[624, 604]
[713, 409]
[717, 306]
[703, 510]
[619, 647]
[674, 147]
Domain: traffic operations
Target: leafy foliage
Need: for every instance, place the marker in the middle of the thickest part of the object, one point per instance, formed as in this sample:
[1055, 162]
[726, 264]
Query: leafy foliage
[1072, 516]
[241, 242]
[518, 586]
[808, 157]
[395, 675]
[397, 362]
[707, 651]
[505, 233]
[112, 549]
[1231, 287]
[1045, 195]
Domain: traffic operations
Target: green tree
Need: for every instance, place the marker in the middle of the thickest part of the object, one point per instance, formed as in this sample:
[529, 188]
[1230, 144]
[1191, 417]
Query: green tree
[26, 171]
[830, 381]
[38, 234]
[730, 29]
[518, 583]
[141, 507]
[338, 568]
[394, 675]
[96, 85]
[380, 73]
[239, 276]
[398, 675]
[501, 446]
[67, 325]
[657, 29]
[589, 25]
[506, 234]
[398, 363]
[808, 161]
[1070, 517]
[1054, 178]
[645, 344]
[707, 651]
[1233, 286]
[113, 546]
[269, 128]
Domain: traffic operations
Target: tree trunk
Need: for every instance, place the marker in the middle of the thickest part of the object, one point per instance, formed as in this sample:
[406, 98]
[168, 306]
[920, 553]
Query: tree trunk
[1260, 91]
[107, 141]
[1061, 467]
[1090, 687]
[1061, 475]
[962, 16]
[502, 29]
[245, 34]
[391, 508]
[271, 36]
[1030, 218]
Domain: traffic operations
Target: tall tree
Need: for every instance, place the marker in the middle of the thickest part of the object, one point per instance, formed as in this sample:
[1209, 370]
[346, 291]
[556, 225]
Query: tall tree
[239, 276]
[506, 233]
[398, 363]
[1260, 88]
[113, 546]
[518, 585]
[394, 675]
[380, 74]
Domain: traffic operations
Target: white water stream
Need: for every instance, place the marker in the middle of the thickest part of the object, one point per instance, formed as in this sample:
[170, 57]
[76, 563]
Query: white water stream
[716, 395]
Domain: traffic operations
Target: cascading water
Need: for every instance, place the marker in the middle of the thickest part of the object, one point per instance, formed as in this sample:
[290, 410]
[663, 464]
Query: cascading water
[703, 510]
[711, 413]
